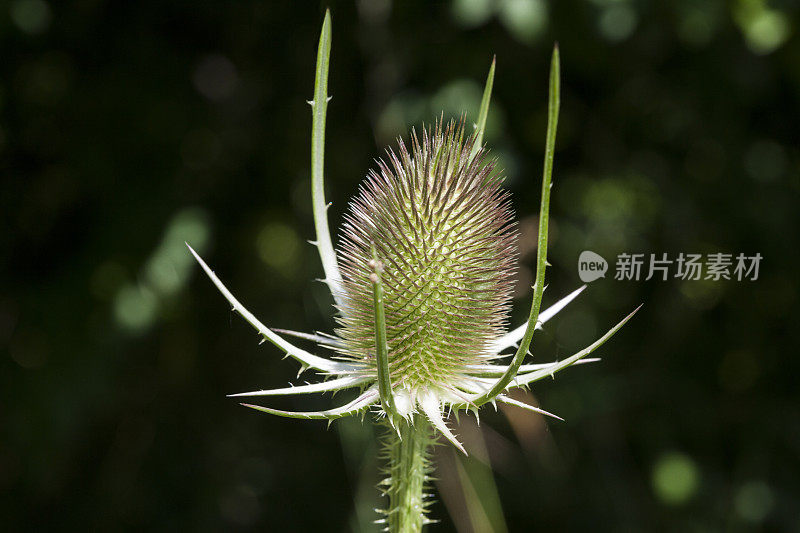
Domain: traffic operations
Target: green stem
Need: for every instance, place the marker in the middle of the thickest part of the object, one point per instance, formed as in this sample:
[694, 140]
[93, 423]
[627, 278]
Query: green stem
[409, 465]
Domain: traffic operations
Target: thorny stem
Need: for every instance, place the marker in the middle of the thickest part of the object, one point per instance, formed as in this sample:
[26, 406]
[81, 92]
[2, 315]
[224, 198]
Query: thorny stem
[409, 465]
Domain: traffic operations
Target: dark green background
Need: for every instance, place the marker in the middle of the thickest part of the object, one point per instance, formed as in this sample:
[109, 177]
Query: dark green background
[129, 127]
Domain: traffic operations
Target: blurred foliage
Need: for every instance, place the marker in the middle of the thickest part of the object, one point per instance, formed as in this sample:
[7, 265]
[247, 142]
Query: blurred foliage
[128, 128]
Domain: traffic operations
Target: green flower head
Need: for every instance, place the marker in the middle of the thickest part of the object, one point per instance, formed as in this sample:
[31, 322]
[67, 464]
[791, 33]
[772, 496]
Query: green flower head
[442, 229]
[423, 278]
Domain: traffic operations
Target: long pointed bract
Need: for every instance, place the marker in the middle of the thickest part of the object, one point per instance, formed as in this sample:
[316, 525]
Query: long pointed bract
[329, 341]
[356, 406]
[305, 358]
[480, 126]
[497, 370]
[524, 379]
[541, 253]
[430, 406]
[511, 401]
[325, 386]
[319, 109]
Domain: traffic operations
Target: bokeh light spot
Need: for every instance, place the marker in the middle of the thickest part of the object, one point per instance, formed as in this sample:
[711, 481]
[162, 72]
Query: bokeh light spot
[165, 272]
[162, 274]
[279, 247]
[215, 77]
[754, 501]
[702, 293]
[31, 16]
[375, 11]
[768, 31]
[472, 13]
[764, 29]
[617, 22]
[675, 478]
[399, 113]
[765, 161]
[698, 22]
[457, 97]
[135, 308]
[525, 19]
[607, 199]
[168, 268]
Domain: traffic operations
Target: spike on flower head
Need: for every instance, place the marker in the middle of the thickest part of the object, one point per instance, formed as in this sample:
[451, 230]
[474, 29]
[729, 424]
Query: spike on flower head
[444, 231]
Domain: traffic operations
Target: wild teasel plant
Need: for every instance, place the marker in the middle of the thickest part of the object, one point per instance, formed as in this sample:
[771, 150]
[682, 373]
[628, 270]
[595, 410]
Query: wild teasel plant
[422, 286]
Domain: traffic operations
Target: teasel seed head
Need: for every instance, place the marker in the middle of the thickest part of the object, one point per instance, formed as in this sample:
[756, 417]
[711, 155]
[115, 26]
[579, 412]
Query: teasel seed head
[444, 235]
[427, 259]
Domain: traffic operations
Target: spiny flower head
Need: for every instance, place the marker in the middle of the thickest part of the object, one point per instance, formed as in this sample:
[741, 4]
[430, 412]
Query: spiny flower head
[427, 259]
[442, 229]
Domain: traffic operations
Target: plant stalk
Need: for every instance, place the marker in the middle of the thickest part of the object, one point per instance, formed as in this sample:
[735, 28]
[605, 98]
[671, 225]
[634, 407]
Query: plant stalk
[409, 465]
